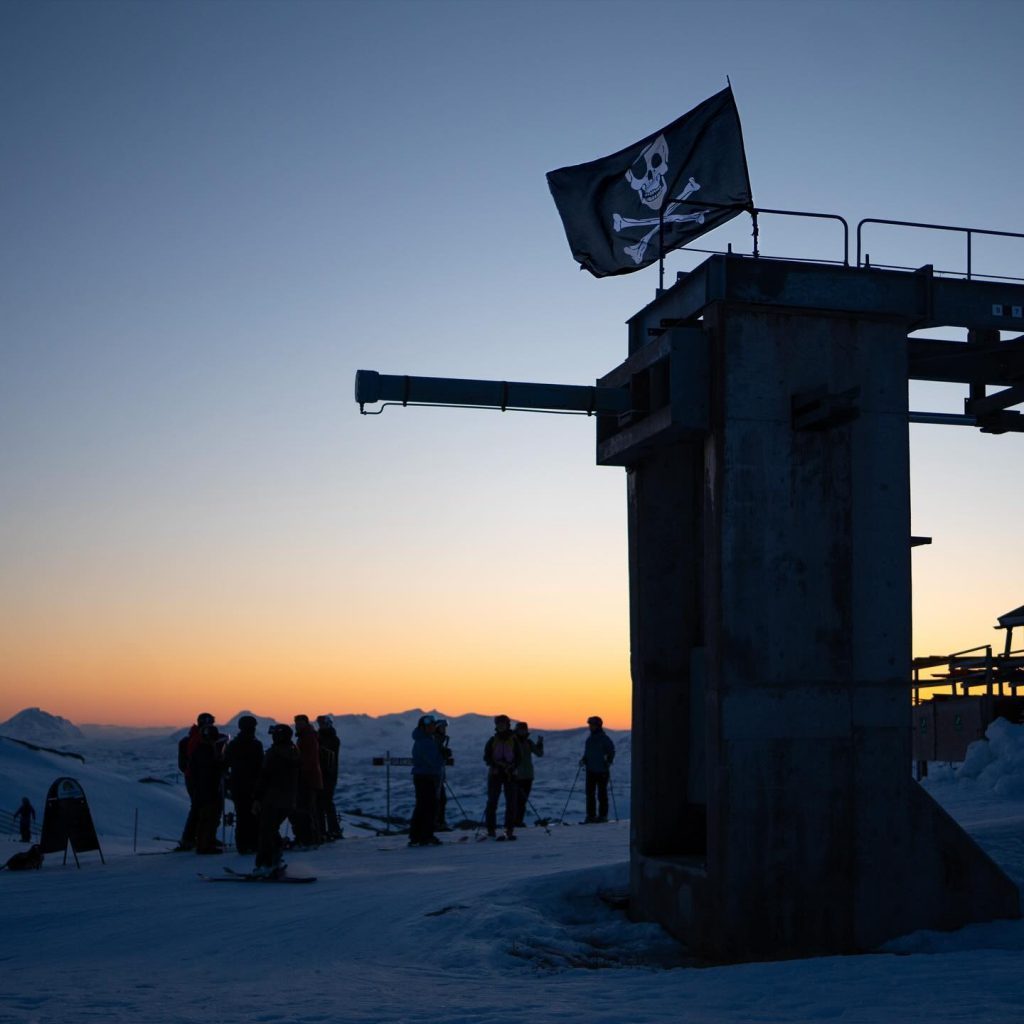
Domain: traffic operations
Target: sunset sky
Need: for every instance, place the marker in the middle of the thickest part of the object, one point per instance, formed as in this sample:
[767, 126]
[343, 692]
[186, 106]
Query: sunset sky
[213, 214]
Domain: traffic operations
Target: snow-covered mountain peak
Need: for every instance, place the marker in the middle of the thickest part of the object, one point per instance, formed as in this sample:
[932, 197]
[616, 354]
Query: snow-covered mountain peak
[37, 726]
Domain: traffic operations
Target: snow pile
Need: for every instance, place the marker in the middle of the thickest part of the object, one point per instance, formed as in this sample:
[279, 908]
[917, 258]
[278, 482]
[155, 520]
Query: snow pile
[36, 726]
[559, 922]
[997, 762]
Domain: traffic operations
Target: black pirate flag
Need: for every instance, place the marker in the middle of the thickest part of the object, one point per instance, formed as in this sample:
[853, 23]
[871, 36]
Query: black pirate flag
[676, 184]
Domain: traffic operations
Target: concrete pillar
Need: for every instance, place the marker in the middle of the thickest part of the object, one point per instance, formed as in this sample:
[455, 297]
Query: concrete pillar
[771, 627]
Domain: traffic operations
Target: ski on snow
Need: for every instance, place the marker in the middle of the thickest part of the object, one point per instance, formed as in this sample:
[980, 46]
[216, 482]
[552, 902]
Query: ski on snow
[240, 876]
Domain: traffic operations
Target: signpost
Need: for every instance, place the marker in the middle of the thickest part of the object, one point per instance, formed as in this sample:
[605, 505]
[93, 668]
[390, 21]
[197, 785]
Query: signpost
[387, 761]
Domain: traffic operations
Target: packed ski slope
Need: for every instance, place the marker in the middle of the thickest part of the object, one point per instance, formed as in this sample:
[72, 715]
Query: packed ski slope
[467, 933]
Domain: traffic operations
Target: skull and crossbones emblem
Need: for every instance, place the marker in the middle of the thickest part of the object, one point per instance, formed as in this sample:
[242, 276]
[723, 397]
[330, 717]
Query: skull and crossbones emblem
[646, 176]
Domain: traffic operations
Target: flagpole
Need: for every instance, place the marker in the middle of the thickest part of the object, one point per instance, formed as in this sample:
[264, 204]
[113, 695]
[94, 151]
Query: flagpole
[661, 249]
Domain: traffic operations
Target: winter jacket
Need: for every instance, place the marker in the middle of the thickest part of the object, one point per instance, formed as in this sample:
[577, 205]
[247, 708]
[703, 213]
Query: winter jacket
[205, 770]
[527, 748]
[279, 777]
[502, 754]
[330, 745]
[186, 747]
[427, 758]
[309, 757]
[598, 752]
[243, 758]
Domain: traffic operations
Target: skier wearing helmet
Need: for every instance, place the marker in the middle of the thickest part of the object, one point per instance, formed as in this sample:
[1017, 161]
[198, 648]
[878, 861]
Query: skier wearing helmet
[502, 756]
[427, 772]
[275, 797]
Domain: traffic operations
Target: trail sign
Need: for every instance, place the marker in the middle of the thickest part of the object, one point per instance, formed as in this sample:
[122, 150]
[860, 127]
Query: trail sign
[67, 820]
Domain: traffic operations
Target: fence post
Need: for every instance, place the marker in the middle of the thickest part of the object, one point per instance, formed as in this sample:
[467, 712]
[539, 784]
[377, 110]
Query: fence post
[387, 812]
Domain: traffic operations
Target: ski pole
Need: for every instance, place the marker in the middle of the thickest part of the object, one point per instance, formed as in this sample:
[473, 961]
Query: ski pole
[611, 789]
[571, 788]
[462, 809]
[540, 820]
[480, 822]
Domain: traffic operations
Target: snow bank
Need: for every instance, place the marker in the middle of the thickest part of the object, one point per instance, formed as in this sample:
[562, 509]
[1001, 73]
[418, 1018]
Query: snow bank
[997, 762]
[113, 798]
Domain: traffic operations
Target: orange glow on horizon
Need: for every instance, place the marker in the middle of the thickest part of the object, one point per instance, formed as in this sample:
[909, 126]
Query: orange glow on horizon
[136, 686]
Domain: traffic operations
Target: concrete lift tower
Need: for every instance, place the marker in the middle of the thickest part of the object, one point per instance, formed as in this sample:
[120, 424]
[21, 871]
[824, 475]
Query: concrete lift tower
[762, 418]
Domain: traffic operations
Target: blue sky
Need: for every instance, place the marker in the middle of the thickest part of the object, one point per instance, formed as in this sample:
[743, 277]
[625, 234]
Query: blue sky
[214, 213]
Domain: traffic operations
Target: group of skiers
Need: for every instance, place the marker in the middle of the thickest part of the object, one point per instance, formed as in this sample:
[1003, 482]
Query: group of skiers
[295, 778]
[508, 755]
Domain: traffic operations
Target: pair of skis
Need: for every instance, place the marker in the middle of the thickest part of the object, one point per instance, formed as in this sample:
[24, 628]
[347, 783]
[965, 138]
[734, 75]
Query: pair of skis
[242, 876]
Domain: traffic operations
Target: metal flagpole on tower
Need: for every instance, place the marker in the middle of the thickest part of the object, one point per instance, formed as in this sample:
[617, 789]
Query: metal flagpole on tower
[661, 249]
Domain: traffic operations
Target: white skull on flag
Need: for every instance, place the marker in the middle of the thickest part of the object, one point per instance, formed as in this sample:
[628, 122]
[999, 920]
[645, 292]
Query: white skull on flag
[647, 175]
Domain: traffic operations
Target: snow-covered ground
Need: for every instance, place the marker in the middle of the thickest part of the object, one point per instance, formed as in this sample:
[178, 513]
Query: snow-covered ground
[467, 933]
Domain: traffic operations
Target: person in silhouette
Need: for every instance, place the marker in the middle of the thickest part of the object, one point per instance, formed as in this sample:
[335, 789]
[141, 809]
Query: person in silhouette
[25, 815]
[186, 747]
[275, 794]
[427, 773]
[243, 758]
[330, 748]
[206, 767]
[528, 749]
[502, 756]
[306, 818]
[441, 739]
[598, 755]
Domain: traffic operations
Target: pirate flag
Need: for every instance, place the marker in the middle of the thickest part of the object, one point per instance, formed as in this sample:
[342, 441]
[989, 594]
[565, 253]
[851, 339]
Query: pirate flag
[676, 184]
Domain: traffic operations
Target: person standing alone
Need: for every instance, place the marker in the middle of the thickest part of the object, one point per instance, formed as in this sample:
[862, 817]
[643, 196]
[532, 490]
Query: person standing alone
[25, 815]
[598, 755]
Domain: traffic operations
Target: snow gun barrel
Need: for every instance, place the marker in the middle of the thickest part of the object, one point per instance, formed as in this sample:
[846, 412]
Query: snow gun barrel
[374, 387]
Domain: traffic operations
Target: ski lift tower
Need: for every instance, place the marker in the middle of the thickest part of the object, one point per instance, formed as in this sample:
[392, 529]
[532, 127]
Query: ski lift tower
[762, 418]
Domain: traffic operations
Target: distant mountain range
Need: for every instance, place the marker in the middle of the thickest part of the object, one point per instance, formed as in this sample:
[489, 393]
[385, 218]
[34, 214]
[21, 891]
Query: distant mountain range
[34, 725]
